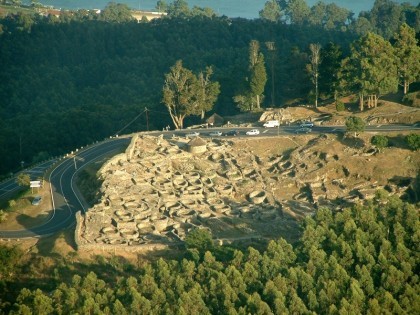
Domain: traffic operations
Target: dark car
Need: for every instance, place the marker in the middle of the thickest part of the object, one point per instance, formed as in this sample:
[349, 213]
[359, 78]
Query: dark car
[232, 133]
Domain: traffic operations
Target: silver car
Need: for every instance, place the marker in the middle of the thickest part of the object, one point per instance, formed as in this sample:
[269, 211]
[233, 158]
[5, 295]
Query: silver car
[192, 134]
[215, 134]
[37, 200]
[253, 132]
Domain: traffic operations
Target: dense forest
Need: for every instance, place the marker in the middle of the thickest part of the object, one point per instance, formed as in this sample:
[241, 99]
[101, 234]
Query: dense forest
[361, 260]
[80, 77]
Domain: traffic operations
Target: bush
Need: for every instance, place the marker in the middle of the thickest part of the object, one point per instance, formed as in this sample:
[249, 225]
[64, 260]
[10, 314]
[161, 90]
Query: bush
[413, 141]
[379, 141]
[339, 106]
[3, 216]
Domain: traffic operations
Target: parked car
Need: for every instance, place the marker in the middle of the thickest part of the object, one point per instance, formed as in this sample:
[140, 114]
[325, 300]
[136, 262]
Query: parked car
[303, 130]
[253, 132]
[271, 124]
[306, 124]
[232, 133]
[215, 134]
[37, 200]
[192, 134]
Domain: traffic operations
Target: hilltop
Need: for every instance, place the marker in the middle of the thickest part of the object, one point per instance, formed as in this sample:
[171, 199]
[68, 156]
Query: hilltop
[157, 191]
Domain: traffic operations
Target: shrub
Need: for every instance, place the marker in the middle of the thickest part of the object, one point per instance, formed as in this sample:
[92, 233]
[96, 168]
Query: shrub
[413, 141]
[3, 216]
[339, 106]
[379, 141]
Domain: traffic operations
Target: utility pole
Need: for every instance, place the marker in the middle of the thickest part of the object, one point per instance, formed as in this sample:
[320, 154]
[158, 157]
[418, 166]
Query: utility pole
[147, 118]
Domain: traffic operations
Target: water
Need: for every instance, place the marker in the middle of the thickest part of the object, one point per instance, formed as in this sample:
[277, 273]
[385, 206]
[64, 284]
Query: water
[232, 8]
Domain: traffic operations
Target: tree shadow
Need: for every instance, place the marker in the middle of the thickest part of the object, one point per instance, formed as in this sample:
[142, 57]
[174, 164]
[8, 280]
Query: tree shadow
[46, 243]
[351, 141]
[397, 141]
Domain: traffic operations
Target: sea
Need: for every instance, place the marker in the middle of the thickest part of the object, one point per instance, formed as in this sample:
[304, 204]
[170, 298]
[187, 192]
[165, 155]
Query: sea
[232, 8]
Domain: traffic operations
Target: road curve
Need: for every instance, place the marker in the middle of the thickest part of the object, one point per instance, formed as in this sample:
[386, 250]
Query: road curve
[66, 199]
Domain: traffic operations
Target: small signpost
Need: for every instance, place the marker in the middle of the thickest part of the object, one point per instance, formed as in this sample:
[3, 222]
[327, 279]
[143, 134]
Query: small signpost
[35, 184]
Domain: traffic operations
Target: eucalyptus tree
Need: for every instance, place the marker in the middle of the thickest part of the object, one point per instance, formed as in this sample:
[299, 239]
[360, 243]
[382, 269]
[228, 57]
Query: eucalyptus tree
[313, 67]
[408, 56]
[186, 94]
[271, 11]
[207, 91]
[297, 11]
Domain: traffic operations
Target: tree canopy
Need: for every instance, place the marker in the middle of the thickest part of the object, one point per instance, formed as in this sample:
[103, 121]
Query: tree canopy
[185, 94]
[370, 70]
[361, 259]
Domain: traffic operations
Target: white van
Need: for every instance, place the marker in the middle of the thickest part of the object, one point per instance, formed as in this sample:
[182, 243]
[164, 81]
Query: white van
[271, 124]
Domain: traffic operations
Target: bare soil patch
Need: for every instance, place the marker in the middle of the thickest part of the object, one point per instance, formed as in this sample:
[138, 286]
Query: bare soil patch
[24, 215]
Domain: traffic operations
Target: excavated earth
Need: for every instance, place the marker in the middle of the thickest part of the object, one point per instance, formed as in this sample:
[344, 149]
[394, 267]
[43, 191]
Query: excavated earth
[157, 191]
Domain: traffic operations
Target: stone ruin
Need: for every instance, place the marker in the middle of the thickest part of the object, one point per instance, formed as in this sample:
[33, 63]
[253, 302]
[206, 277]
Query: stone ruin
[157, 191]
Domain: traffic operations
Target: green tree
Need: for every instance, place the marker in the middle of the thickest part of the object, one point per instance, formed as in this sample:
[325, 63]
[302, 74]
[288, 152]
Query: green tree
[23, 180]
[355, 124]
[9, 260]
[184, 94]
[271, 11]
[379, 141]
[204, 12]
[161, 6]
[245, 102]
[178, 8]
[3, 216]
[200, 239]
[116, 12]
[207, 91]
[408, 56]
[258, 74]
[370, 70]
[331, 56]
[385, 17]
[297, 11]
[361, 26]
[413, 141]
[329, 16]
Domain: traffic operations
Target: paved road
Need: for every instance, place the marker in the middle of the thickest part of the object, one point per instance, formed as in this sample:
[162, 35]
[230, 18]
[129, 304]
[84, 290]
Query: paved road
[67, 199]
[288, 130]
